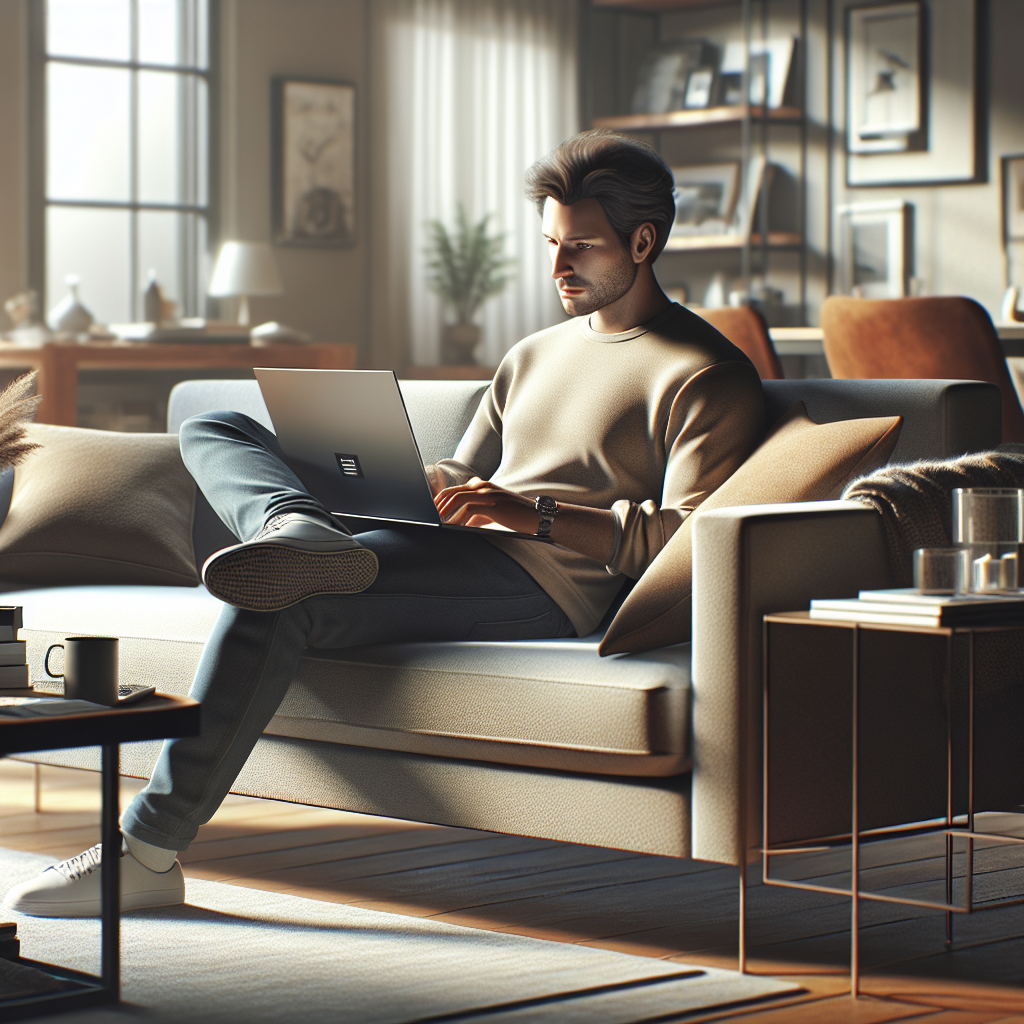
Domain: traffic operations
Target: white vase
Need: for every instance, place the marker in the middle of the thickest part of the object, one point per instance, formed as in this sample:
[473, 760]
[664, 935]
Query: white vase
[69, 316]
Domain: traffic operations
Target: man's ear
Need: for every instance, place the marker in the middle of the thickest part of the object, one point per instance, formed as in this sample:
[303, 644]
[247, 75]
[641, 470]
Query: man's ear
[643, 242]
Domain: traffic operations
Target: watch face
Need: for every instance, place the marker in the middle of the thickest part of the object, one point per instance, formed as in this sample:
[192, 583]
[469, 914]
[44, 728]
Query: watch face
[547, 506]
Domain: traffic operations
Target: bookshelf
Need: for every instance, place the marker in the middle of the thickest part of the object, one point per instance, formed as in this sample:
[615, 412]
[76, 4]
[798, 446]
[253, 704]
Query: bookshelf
[771, 260]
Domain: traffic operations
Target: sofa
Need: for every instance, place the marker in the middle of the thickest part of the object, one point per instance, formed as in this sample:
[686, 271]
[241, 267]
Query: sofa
[655, 752]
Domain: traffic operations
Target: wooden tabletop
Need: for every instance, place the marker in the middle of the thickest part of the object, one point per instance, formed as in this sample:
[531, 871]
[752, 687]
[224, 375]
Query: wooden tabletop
[59, 363]
[162, 716]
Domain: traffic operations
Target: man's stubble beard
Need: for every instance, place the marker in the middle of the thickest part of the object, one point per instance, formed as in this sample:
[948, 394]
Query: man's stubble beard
[604, 292]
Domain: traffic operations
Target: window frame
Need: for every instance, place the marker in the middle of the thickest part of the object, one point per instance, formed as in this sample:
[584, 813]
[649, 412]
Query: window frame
[193, 300]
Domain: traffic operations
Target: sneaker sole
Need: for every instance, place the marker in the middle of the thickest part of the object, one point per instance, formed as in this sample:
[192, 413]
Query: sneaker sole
[269, 577]
[91, 908]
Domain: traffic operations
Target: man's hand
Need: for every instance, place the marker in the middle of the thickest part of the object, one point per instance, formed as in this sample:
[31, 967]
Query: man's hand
[480, 503]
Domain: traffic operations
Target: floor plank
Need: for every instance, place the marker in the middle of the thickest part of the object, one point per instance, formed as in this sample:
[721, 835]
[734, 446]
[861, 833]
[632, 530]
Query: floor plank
[649, 906]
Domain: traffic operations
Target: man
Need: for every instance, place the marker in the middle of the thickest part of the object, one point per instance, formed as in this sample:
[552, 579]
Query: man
[603, 432]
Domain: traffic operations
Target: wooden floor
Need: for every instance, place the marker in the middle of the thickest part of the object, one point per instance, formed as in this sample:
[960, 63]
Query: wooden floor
[650, 906]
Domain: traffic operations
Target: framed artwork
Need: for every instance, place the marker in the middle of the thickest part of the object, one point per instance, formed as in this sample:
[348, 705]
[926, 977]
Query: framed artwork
[1013, 198]
[770, 64]
[706, 197]
[756, 183]
[884, 83]
[663, 81]
[875, 249]
[314, 126]
[913, 109]
[700, 87]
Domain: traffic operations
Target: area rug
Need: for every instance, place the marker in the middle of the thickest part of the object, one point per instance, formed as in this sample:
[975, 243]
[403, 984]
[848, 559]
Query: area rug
[235, 954]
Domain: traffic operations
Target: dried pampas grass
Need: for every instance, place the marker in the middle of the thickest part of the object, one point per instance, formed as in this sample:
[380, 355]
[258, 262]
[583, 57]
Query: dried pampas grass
[17, 404]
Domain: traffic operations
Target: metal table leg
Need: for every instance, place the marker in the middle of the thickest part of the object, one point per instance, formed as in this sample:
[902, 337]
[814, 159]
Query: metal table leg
[110, 868]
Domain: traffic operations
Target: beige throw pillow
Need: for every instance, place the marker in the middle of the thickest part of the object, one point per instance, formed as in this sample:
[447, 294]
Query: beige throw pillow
[97, 506]
[799, 461]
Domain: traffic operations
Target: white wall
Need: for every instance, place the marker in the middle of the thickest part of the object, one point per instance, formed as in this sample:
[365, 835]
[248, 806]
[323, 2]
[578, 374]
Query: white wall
[326, 290]
[14, 142]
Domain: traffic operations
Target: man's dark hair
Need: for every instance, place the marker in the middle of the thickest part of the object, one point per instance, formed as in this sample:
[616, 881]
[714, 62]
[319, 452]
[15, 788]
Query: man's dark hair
[626, 176]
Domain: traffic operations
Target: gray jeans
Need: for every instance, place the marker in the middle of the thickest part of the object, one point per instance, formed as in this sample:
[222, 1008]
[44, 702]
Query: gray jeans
[432, 585]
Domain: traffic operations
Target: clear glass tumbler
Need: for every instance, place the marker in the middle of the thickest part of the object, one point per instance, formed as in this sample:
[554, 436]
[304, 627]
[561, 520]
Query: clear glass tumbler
[989, 523]
[942, 570]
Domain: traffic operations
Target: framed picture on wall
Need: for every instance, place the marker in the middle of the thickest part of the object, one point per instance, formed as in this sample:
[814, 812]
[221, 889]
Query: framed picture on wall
[886, 70]
[884, 85]
[313, 145]
[875, 246]
[1013, 198]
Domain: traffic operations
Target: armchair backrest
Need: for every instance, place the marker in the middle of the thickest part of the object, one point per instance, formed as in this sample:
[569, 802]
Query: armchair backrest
[941, 418]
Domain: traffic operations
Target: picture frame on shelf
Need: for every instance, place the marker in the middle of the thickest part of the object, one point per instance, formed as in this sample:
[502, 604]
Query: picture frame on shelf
[771, 61]
[885, 96]
[700, 89]
[950, 143]
[706, 197]
[875, 249]
[314, 162]
[1013, 197]
[756, 183]
[664, 75]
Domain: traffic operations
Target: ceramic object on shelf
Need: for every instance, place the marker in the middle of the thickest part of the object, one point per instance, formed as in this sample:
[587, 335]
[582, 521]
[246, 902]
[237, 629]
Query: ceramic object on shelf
[153, 301]
[69, 316]
[273, 333]
[28, 329]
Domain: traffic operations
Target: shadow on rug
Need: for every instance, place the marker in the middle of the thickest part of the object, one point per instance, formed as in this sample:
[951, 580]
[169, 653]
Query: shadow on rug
[235, 954]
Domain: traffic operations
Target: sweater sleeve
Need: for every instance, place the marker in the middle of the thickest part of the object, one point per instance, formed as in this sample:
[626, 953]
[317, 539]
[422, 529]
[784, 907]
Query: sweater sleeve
[715, 421]
[479, 451]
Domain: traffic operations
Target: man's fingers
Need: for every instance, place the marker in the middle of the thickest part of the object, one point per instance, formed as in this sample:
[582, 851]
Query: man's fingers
[461, 506]
[447, 498]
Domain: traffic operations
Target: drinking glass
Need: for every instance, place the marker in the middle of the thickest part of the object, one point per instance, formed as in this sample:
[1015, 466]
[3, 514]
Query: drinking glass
[942, 570]
[989, 523]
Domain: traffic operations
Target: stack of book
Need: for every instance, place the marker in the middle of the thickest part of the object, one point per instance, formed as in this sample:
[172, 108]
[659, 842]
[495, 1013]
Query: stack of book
[13, 663]
[911, 608]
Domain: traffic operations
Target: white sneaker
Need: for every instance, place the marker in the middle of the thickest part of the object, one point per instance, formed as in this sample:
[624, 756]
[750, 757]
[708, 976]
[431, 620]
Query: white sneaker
[72, 887]
[293, 557]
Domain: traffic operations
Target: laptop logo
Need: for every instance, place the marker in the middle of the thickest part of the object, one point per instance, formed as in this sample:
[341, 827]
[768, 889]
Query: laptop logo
[349, 465]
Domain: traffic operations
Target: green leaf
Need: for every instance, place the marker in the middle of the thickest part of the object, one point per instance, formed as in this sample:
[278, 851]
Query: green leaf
[467, 265]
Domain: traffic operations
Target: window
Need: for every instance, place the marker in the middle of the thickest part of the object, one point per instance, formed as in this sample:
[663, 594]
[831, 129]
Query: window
[125, 153]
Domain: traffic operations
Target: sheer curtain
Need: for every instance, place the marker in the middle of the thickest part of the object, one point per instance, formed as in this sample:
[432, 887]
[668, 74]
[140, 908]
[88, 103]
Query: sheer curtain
[468, 94]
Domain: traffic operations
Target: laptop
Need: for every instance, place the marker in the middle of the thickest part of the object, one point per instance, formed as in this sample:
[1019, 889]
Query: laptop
[346, 435]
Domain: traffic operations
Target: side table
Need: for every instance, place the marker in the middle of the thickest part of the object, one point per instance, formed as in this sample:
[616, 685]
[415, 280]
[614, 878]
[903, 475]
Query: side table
[159, 717]
[834, 731]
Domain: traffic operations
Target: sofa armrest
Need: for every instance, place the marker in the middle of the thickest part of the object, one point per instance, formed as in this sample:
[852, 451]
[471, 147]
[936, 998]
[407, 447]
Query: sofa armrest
[749, 561]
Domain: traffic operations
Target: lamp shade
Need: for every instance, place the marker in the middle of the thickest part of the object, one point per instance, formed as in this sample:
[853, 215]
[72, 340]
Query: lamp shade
[245, 268]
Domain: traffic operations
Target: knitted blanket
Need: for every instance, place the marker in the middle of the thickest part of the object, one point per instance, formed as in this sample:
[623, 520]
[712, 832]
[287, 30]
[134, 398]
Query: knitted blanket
[916, 500]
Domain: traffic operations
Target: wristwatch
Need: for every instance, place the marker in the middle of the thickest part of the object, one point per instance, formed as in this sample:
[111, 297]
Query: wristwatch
[547, 509]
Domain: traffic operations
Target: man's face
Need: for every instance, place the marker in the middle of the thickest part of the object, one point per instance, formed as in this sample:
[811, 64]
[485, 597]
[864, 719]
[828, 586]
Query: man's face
[588, 260]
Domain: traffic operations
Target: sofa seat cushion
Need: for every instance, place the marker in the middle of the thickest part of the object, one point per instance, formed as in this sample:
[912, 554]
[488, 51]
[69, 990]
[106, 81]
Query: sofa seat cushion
[544, 704]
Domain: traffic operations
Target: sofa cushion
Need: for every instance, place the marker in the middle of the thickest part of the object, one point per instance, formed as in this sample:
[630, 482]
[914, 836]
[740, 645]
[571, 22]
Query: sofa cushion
[799, 461]
[544, 704]
[98, 506]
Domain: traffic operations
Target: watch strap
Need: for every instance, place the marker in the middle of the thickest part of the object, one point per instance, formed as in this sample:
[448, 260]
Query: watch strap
[547, 509]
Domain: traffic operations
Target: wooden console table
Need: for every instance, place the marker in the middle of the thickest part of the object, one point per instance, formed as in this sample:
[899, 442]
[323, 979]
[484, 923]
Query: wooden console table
[58, 363]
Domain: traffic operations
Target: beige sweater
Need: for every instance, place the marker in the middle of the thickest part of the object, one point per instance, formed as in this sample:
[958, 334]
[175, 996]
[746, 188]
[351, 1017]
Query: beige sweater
[646, 423]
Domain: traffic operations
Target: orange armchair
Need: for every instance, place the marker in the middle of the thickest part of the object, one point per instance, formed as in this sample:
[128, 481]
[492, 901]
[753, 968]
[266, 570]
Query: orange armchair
[747, 330]
[943, 338]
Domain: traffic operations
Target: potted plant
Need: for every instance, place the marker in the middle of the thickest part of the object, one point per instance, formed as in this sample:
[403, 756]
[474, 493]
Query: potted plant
[468, 267]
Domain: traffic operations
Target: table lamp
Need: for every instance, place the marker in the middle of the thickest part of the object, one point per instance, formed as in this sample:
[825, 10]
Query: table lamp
[244, 269]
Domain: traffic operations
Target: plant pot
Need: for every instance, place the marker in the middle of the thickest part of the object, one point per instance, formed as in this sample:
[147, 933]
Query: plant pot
[458, 342]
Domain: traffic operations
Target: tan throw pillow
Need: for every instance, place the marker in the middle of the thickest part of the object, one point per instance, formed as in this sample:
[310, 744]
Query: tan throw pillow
[97, 506]
[799, 461]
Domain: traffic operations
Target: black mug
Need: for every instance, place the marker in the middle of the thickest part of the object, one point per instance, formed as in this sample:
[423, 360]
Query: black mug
[90, 668]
